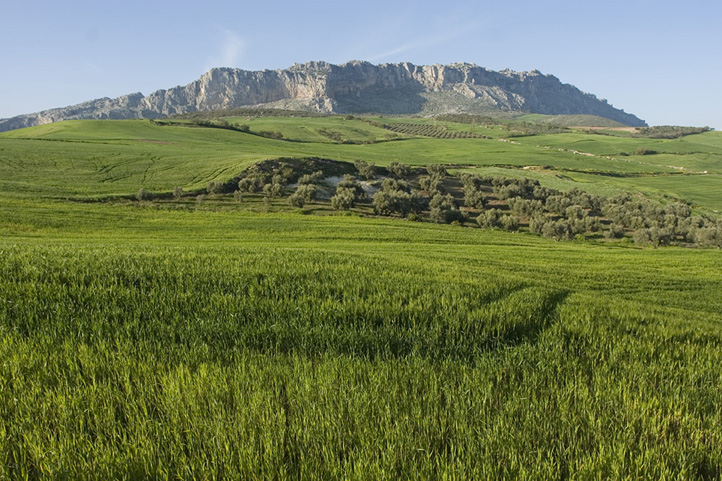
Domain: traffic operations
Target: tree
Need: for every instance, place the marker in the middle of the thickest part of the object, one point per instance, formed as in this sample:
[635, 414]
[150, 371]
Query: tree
[615, 231]
[399, 170]
[432, 184]
[436, 170]
[474, 198]
[510, 222]
[308, 179]
[365, 169]
[214, 187]
[489, 219]
[442, 208]
[253, 182]
[344, 199]
[304, 193]
[351, 184]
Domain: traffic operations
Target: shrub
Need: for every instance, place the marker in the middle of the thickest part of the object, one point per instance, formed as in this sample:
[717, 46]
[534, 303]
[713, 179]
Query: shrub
[344, 199]
[214, 187]
[144, 195]
[308, 179]
[303, 194]
[643, 151]
[399, 170]
[436, 170]
[365, 169]
[510, 222]
[489, 219]
[615, 231]
[432, 185]
[443, 209]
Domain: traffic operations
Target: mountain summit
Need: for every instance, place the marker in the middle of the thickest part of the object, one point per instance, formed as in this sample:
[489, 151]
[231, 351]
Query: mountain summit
[354, 87]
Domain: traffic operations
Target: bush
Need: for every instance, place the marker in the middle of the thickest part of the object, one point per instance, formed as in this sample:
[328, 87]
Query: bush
[510, 222]
[443, 209]
[436, 170]
[344, 199]
[214, 187]
[365, 169]
[303, 194]
[399, 170]
[308, 179]
[489, 219]
[643, 151]
[432, 185]
[615, 231]
[144, 195]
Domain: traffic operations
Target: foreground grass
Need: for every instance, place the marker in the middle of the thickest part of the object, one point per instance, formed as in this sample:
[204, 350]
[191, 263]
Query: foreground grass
[138, 343]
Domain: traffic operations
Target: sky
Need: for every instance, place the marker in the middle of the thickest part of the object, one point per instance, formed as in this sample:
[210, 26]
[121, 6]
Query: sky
[660, 60]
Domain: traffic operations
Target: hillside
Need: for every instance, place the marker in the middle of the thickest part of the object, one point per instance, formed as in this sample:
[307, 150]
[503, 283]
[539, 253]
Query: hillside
[164, 315]
[354, 87]
[115, 158]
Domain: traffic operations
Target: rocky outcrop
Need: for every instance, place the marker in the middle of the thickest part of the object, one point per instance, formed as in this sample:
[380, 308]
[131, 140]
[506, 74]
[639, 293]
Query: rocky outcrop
[354, 87]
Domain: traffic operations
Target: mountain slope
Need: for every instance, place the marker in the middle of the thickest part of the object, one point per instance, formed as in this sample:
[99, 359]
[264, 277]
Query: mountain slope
[354, 87]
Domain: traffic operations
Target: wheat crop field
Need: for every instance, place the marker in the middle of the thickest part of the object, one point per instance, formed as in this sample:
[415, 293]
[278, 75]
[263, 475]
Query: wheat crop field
[213, 340]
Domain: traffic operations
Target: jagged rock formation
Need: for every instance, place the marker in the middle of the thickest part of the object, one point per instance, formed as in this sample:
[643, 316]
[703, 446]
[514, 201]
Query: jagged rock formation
[354, 87]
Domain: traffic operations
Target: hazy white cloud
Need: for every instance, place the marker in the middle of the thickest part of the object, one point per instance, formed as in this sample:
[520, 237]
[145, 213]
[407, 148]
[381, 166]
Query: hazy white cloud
[445, 35]
[230, 50]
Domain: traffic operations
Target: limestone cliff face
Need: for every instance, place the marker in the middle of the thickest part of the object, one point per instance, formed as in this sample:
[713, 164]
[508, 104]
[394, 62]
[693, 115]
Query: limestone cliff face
[354, 87]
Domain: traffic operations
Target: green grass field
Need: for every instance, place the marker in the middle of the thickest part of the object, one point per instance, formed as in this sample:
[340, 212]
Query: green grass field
[101, 158]
[146, 340]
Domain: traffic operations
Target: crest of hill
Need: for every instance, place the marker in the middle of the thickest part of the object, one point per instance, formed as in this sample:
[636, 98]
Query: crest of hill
[355, 87]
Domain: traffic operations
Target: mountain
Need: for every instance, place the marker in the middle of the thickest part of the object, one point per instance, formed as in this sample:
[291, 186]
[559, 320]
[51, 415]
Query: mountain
[354, 87]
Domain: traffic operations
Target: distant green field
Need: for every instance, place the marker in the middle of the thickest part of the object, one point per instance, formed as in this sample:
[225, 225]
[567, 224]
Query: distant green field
[111, 158]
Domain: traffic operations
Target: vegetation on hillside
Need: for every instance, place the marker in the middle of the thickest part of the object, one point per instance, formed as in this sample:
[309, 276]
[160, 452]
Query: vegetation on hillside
[486, 201]
[668, 131]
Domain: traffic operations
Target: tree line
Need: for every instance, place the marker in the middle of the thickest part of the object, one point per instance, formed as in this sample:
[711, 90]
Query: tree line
[493, 202]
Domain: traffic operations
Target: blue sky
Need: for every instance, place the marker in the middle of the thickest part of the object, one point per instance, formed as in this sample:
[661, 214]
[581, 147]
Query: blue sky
[660, 60]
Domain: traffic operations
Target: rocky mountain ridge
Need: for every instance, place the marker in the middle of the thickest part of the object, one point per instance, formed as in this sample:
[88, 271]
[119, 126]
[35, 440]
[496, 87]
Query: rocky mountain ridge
[354, 87]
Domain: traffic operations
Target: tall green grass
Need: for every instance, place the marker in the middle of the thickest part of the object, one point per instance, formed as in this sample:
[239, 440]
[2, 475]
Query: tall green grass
[164, 344]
